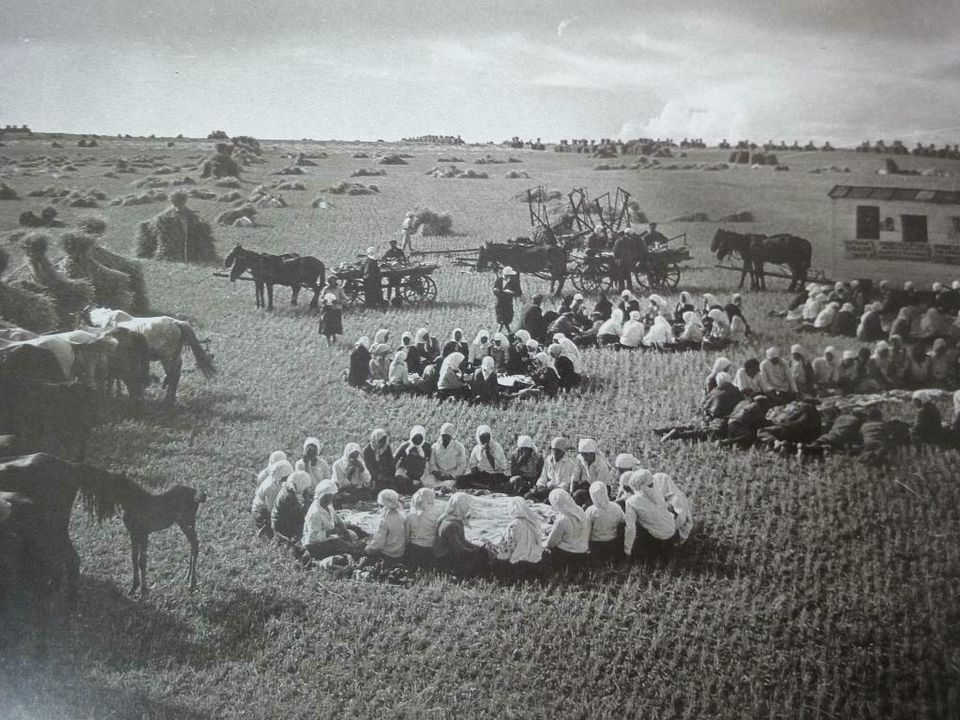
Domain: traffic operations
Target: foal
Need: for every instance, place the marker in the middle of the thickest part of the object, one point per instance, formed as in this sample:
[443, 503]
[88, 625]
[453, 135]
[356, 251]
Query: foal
[145, 513]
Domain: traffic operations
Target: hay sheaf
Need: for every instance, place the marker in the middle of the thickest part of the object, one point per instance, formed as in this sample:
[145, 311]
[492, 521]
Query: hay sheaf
[111, 288]
[693, 217]
[345, 188]
[178, 233]
[46, 218]
[288, 185]
[32, 311]
[368, 172]
[93, 225]
[539, 194]
[7, 192]
[392, 159]
[221, 164]
[69, 296]
[228, 182]
[452, 171]
[739, 216]
[516, 175]
[230, 197]
[431, 223]
[151, 196]
[131, 268]
[229, 217]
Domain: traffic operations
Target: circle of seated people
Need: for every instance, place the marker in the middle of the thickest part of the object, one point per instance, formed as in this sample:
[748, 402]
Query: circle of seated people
[594, 509]
[743, 407]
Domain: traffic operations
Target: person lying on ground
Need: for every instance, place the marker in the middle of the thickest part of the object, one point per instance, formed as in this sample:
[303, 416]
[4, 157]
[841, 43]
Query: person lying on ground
[452, 551]
[606, 523]
[389, 542]
[800, 423]
[265, 496]
[351, 476]
[526, 464]
[843, 435]
[746, 420]
[569, 538]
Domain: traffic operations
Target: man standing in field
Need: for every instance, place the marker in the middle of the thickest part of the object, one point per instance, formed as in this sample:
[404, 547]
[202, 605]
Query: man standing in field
[394, 255]
[407, 228]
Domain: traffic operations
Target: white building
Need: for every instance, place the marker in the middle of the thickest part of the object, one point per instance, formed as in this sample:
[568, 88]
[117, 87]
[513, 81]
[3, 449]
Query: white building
[894, 233]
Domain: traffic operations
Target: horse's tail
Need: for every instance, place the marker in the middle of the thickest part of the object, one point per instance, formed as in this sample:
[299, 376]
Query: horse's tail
[321, 274]
[203, 358]
[103, 493]
[806, 254]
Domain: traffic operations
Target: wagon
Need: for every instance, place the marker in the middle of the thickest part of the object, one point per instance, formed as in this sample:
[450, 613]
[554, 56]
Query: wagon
[412, 281]
[659, 269]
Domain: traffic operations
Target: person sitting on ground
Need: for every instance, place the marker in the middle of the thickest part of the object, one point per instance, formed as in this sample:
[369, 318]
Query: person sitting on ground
[380, 354]
[456, 343]
[802, 371]
[266, 494]
[350, 475]
[738, 330]
[659, 336]
[487, 464]
[569, 538]
[427, 352]
[611, 329]
[563, 325]
[450, 383]
[588, 338]
[899, 367]
[312, 463]
[544, 375]
[903, 324]
[517, 355]
[591, 466]
[480, 347]
[290, 506]
[275, 457]
[411, 461]
[628, 303]
[570, 350]
[649, 526]
[603, 306]
[526, 465]
[955, 421]
[845, 323]
[918, 372]
[558, 471]
[927, 427]
[734, 309]
[717, 329]
[721, 364]
[398, 375]
[721, 401]
[324, 532]
[943, 366]
[498, 351]
[710, 302]
[448, 457]
[452, 551]
[684, 305]
[692, 334]
[359, 372]
[633, 331]
[378, 459]
[420, 525]
[531, 318]
[749, 379]
[826, 370]
[389, 542]
[812, 307]
[800, 423]
[519, 552]
[777, 376]
[564, 367]
[878, 367]
[606, 521]
[484, 387]
[578, 313]
[870, 329]
[849, 372]
[826, 318]
[677, 503]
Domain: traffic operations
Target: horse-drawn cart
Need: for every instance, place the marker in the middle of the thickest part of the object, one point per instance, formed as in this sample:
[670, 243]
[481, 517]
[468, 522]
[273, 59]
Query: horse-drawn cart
[657, 268]
[411, 281]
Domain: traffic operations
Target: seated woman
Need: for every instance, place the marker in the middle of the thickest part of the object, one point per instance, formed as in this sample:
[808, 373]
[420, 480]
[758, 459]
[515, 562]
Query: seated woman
[591, 465]
[378, 459]
[359, 373]
[275, 457]
[570, 351]
[849, 372]
[564, 367]
[660, 335]
[684, 305]
[420, 525]
[899, 367]
[927, 427]
[826, 370]
[606, 522]
[749, 379]
[870, 329]
[544, 375]
[266, 496]
[350, 475]
[452, 551]
[312, 463]
[456, 343]
[450, 383]
[498, 350]
[845, 323]
[720, 365]
[633, 331]
[411, 461]
[738, 330]
[903, 324]
[692, 334]
[955, 422]
[649, 526]
[710, 303]
[380, 353]
[324, 533]
[878, 367]
[918, 372]
[517, 356]
[519, 552]
[389, 542]
[290, 506]
[448, 457]
[826, 318]
[487, 464]
[718, 334]
[525, 466]
[802, 371]
[677, 503]
[569, 538]
[427, 351]
[943, 366]
[611, 329]
[480, 347]
[484, 387]
[399, 375]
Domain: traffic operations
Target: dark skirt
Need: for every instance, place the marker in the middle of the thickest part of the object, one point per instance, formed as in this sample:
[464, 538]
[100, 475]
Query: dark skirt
[519, 571]
[332, 322]
[607, 549]
[419, 556]
[334, 546]
[483, 481]
[560, 559]
[263, 523]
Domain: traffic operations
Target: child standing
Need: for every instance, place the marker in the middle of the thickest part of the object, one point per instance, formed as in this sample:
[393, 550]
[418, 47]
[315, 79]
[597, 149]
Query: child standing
[331, 318]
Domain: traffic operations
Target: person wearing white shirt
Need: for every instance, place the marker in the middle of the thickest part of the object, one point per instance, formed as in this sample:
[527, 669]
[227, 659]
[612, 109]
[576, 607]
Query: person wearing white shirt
[558, 471]
[266, 495]
[487, 464]
[448, 456]
[312, 463]
[606, 519]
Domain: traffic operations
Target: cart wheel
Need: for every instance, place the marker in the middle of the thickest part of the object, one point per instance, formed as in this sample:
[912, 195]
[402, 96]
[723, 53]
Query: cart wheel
[592, 281]
[665, 277]
[354, 292]
[642, 278]
[418, 289]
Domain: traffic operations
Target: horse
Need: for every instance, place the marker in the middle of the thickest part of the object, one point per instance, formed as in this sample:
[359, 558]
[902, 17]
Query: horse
[544, 261]
[56, 417]
[81, 354]
[756, 250]
[165, 339]
[288, 269]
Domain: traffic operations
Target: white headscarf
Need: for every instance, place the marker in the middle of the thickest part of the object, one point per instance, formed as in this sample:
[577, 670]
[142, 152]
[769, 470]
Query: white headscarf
[422, 501]
[692, 318]
[398, 368]
[956, 401]
[570, 350]
[453, 361]
[280, 470]
[364, 342]
[479, 339]
[563, 503]
[522, 335]
[389, 500]
[488, 366]
[613, 326]
[721, 364]
[526, 532]
[720, 318]
[660, 334]
[457, 508]
[414, 431]
[710, 300]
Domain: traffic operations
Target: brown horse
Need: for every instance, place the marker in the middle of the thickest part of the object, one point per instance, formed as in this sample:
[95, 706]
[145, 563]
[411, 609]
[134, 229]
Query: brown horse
[756, 250]
[548, 262]
[267, 270]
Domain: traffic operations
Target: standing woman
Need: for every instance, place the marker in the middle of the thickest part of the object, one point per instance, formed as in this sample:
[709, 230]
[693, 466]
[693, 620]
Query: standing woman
[519, 552]
[453, 552]
[504, 294]
[606, 521]
[421, 528]
[331, 318]
[569, 539]
[372, 280]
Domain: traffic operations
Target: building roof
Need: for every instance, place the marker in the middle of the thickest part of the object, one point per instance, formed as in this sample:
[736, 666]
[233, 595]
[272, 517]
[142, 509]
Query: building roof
[866, 192]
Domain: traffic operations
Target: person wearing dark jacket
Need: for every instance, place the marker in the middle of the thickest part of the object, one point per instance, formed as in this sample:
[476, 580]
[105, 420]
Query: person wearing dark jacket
[359, 372]
[722, 400]
[927, 427]
[372, 280]
[411, 461]
[456, 343]
[453, 552]
[563, 367]
[484, 387]
[504, 295]
[801, 424]
[746, 420]
[378, 457]
[603, 306]
[845, 323]
[531, 318]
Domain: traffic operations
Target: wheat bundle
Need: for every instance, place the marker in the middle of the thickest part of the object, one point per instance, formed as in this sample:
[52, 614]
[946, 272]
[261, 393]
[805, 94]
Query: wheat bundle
[7, 192]
[46, 218]
[69, 296]
[178, 233]
[392, 159]
[515, 174]
[26, 309]
[111, 288]
[151, 196]
[131, 268]
[221, 164]
[345, 188]
[368, 172]
[230, 197]
[229, 217]
[228, 182]
[432, 223]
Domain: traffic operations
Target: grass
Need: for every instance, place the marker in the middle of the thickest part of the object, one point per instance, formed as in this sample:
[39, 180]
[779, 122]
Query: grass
[820, 591]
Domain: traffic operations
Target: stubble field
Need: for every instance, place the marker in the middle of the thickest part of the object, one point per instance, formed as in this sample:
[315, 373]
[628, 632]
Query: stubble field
[814, 591]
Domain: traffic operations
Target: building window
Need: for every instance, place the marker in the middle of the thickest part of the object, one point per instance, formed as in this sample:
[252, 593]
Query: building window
[914, 228]
[868, 222]
[888, 225]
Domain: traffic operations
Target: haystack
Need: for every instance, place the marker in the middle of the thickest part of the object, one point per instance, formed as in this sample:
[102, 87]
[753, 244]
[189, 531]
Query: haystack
[46, 218]
[432, 223]
[292, 170]
[287, 185]
[69, 296]
[392, 159]
[221, 164]
[230, 197]
[539, 194]
[739, 216]
[368, 172]
[228, 182]
[111, 288]
[93, 225]
[693, 217]
[346, 188]
[30, 310]
[131, 268]
[7, 192]
[151, 196]
[229, 217]
[515, 175]
[178, 233]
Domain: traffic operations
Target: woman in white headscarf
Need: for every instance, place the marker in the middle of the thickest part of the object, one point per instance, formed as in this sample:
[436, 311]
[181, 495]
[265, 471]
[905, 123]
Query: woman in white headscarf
[633, 331]
[265, 496]
[721, 364]
[710, 302]
[488, 465]
[650, 526]
[450, 381]
[660, 335]
[678, 504]
[519, 550]
[812, 307]
[719, 327]
[398, 375]
[611, 330]
[350, 475]
[378, 459]
[606, 521]
[480, 347]
[275, 457]
[448, 456]
[826, 369]
[684, 305]
[569, 538]
[456, 343]
[452, 550]
[570, 350]
[290, 505]
[380, 353]
[412, 459]
[311, 462]
[484, 387]
[324, 533]
[498, 350]
[692, 328]
[359, 373]
[420, 525]
[389, 542]
[738, 330]
[826, 318]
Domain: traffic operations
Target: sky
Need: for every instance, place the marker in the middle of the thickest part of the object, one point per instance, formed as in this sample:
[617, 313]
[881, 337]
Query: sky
[838, 70]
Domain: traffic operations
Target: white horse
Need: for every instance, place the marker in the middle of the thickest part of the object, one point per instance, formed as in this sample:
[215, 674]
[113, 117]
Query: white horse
[165, 337]
[81, 355]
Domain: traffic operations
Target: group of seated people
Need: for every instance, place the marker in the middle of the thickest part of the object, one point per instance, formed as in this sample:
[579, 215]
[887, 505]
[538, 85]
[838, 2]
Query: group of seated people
[466, 370]
[636, 322]
[603, 509]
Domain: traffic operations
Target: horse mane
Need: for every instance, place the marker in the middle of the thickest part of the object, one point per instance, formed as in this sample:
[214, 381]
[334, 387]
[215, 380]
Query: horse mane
[103, 493]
